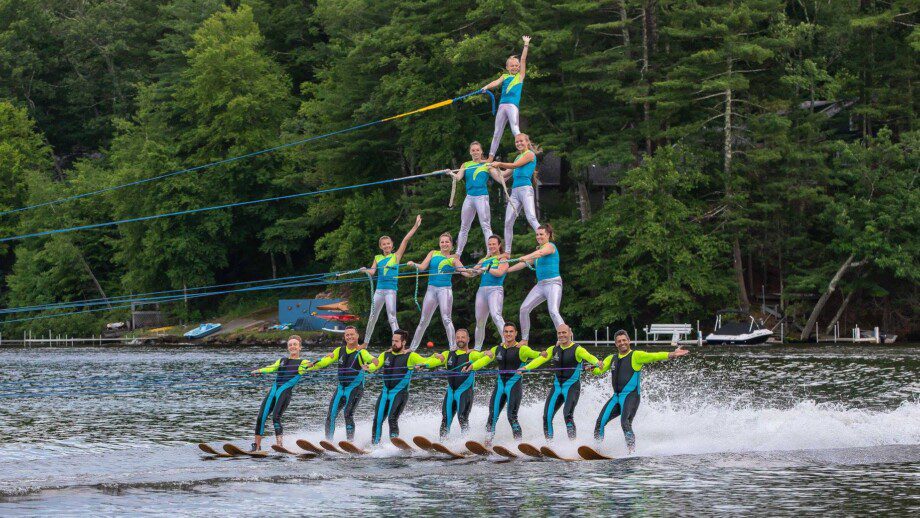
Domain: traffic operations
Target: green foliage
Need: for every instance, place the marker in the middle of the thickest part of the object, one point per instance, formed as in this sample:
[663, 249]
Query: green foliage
[820, 161]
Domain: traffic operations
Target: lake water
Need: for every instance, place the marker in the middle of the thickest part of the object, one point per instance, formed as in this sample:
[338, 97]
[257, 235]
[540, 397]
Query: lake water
[772, 430]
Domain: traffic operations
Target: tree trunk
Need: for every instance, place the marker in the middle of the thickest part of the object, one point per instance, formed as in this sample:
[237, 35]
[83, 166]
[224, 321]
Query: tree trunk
[810, 324]
[727, 153]
[271, 256]
[584, 204]
[843, 306]
[93, 277]
[743, 300]
[646, 106]
[624, 18]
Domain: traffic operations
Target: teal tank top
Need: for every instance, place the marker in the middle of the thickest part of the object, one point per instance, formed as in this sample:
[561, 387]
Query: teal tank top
[523, 176]
[487, 278]
[440, 270]
[511, 89]
[476, 176]
[548, 267]
[387, 271]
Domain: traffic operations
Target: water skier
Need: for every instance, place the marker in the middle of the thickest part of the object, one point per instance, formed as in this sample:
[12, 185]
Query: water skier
[441, 264]
[625, 372]
[521, 171]
[512, 84]
[490, 297]
[289, 371]
[549, 280]
[475, 175]
[458, 399]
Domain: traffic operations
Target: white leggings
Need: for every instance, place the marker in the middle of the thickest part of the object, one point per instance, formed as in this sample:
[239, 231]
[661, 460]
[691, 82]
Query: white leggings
[382, 297]
[549, 290]
[472, 206]
[521, 197]
[507, 113]
[443, 298]
[489, 301]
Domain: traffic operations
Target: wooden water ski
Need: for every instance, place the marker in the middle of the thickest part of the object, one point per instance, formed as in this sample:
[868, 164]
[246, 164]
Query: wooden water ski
[309, 446]
[548, 452]
[422, 442]
[351, 448]
[589, 453]
[440, 448]
[530, 450]
[478, 448]
[504, 452]
[282, 449]
[329, 446]
[236, 451]
[211, 451]
[401, 444]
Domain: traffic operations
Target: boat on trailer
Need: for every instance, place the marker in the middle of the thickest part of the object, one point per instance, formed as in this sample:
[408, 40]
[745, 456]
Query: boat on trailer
[739, 328]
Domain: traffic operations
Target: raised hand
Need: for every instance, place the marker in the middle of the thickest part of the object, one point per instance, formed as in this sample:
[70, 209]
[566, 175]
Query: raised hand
[526, 40]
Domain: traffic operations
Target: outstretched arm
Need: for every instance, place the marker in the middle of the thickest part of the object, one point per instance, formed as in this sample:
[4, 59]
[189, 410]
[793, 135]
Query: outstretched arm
[327, 360]
[605, 366]
[372, 270]
[524, 56]
[493, 84]
[517, 266]
[424, 264]
[523, 159]
[543, 251]
[265, 370]
[405, 241]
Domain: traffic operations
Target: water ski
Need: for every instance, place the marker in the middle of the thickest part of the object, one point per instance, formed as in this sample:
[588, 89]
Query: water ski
[211, 451]
[235, 450]
[548, 452]
[401, 444]
[504, 452]
[422, 442]
[530, 450]
[308, 446]
[440, 448]
[329, 446]
[589, 453]
[478, 448]
[351, 448]
[282, 449]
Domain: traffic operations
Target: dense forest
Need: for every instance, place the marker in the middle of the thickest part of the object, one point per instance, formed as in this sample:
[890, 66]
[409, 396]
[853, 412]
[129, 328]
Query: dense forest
[732, 153]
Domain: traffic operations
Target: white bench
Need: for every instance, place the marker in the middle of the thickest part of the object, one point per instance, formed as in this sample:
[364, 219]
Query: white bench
[675, 331]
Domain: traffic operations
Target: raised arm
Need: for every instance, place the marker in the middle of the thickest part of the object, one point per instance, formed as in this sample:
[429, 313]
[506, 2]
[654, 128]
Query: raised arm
[524, 56]
[405, 241]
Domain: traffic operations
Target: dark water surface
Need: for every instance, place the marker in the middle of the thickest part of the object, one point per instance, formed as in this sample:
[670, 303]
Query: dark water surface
[763, 430]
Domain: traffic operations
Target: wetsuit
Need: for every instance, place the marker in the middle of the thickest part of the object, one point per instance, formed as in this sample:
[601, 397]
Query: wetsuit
[350, 387]
[476, 178]
[458, 399]
[289, 371]
[508, 384]
[567, 364]
[396, 370]
[625, 370]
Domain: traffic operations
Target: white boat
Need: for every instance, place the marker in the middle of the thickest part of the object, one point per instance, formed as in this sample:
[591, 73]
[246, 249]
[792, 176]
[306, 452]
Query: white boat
[740, 330]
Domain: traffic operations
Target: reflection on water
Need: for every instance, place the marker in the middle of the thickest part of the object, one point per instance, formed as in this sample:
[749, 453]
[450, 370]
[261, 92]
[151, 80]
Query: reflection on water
[726, 430]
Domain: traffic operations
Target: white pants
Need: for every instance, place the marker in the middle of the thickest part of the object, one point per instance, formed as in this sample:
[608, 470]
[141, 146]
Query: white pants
[549, 290]
[489, 301]
[472, 206]
[443, 298]
[507, 113]
[381, 297]
[522, 198]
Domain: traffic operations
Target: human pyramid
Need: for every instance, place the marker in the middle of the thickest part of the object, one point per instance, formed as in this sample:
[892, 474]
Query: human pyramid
[460, 364]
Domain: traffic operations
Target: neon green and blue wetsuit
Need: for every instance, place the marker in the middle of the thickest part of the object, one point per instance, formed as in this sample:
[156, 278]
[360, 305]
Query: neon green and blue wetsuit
[396, 371]
[567, 363]
[508, 383]
[458, 399]
[279, 396]
[625, 373]
[350, 386]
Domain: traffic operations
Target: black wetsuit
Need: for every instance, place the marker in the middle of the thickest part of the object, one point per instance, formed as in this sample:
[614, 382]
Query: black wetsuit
[625, 375]
[458, 399]
[565, 391]
[348, 392]
[396, 374]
